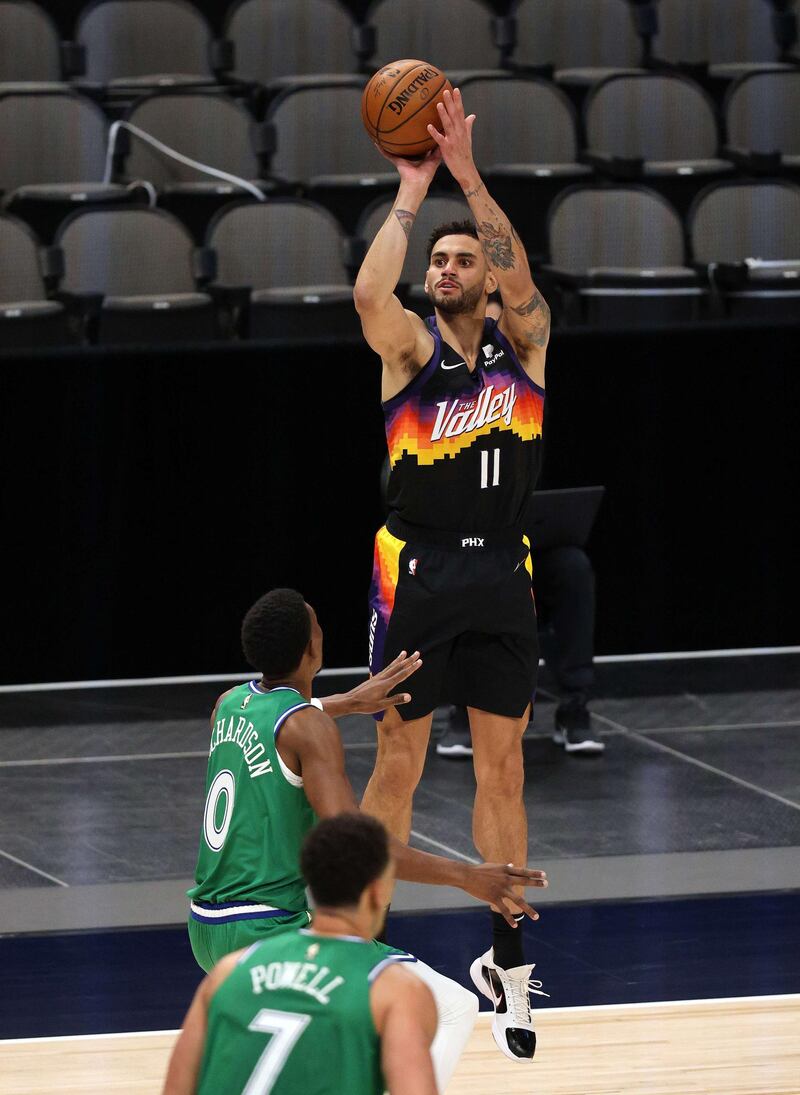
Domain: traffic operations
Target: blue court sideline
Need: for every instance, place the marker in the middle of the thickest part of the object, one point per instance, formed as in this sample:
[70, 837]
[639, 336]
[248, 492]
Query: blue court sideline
[601, 953]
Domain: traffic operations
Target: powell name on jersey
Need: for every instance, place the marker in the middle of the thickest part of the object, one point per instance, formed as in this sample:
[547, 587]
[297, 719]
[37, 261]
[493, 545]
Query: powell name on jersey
[464, 446]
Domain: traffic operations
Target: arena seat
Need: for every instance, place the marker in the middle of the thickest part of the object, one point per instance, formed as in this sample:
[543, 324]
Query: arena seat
[134, 271]
[618, 256]
[27, 317]
[210, 129]
[53, 157]
[660, 129]
[321, 145]
[762, 121]
[138, 44]
[277, 42]
[286, 259]
[728, 37]
[582, 40]
[457, 35]
[30, 50]
[748, 235]
[528, 163]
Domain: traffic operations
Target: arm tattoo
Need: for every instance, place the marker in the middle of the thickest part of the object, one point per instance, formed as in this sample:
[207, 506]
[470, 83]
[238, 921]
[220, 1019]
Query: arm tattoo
[406, 220]
[539, 325]
[471, 193]
[497, 245]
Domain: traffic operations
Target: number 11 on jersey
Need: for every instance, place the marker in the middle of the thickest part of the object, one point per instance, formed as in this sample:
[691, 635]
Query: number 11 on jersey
[485, 468]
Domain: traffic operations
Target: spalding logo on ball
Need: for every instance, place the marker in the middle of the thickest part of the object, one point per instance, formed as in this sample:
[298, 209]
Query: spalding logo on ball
[399, 103]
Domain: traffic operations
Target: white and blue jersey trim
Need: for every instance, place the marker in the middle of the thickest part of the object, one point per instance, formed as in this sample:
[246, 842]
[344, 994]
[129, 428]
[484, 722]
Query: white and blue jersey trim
[390, 960]
[225, 912]
[280, 721]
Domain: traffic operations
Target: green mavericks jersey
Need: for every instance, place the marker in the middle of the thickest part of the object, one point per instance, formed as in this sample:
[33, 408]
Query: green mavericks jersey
[293, 1018]
[256, 812]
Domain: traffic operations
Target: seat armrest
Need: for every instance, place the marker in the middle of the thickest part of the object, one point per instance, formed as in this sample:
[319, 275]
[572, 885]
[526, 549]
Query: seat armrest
[754, 163]
[613, 167]
[223, 56]
[73, 59]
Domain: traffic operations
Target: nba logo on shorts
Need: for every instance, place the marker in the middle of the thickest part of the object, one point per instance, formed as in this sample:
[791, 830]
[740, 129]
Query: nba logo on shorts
[412, 566]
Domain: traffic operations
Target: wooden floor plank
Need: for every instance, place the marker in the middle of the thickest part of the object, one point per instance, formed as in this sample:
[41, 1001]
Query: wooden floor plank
[720, 1047]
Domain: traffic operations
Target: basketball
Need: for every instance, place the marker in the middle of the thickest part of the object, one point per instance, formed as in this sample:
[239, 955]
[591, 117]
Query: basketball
[399, 103]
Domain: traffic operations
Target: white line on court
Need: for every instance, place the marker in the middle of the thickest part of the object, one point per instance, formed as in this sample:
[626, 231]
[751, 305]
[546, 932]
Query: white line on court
[661, 747]
[443, 847]
[362, 670]
[36, 870]
[777, 725]
[484, 1016]
[43, 762]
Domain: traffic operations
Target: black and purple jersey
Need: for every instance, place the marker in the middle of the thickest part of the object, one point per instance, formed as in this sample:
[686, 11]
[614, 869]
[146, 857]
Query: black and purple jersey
[465, 446]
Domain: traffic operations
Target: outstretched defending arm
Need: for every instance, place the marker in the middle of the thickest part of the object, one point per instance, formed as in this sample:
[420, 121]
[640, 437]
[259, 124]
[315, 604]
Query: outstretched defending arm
[310, 745]
[526, 316]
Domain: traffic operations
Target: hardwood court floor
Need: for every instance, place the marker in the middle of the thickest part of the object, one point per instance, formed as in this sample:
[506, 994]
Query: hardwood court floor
[745, 1046]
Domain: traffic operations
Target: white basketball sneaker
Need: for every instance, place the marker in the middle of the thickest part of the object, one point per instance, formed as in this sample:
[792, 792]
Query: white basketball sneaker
[509, 991]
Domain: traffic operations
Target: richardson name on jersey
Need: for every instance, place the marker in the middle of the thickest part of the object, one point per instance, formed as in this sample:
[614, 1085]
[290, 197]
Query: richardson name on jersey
[457, 417]
[242, 733]
[301, 976]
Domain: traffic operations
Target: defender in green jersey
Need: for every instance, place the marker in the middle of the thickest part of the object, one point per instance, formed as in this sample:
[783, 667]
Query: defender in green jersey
[319, 1011]
[276, 763]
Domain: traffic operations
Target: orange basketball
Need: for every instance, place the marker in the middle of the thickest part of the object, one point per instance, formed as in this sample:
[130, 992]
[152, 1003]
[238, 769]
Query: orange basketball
[399, 103]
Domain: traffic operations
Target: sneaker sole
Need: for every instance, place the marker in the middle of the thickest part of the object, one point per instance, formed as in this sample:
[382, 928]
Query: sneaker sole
[479, 982]
[453, 751]
[578, 746]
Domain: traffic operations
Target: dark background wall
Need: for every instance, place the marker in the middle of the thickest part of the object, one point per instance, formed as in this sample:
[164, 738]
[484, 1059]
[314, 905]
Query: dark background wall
[148, 497]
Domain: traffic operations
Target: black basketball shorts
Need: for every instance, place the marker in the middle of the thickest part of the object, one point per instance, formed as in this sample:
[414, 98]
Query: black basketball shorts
[468, 608]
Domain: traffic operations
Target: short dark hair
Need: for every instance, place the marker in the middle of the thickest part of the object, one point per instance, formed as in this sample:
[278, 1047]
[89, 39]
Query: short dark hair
[276, 631]
[341, 856]
[452, 228]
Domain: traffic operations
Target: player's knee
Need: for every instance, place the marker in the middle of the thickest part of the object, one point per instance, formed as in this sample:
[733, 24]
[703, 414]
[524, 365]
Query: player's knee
[399, 764]
[504, 773]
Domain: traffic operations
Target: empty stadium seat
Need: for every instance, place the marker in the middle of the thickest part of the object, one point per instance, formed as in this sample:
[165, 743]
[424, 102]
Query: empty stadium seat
[146, 43]
[289, 256]
[658, 128]
[456, 35]
[525, 164]
[731, 37]
[618, 257]
[209, 129]
[762, 120]
[138, 266]
[278, 41]
[435, 210]
[53, 157]
[30, 51]
[27, 317]
[582, 40]
[320, 143]
[748, 233]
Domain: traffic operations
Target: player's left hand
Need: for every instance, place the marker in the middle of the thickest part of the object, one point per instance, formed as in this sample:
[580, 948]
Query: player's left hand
[454, 137]
[495, 884]
[378, 692]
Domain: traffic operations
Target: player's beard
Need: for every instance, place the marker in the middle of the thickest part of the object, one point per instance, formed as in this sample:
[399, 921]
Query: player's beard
[459, 305]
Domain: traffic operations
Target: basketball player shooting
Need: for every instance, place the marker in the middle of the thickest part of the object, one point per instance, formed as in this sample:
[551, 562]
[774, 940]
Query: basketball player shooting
[463, 398]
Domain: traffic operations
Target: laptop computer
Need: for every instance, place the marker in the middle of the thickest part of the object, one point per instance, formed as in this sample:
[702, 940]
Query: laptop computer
[562, 518]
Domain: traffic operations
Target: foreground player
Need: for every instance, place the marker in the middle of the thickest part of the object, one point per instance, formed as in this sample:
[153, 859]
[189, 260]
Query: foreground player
[463, 399]
[316, 1009]
[276, 764]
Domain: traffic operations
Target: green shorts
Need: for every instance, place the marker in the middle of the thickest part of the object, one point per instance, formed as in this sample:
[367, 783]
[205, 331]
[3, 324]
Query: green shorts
[210, 942]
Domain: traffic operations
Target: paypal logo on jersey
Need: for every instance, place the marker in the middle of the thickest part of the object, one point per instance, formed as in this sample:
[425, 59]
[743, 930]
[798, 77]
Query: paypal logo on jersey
[490, 355]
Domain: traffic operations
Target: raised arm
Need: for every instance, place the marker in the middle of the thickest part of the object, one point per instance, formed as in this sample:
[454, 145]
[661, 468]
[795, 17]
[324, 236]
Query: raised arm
[399, 336]
[526, 317]
[310, 746]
